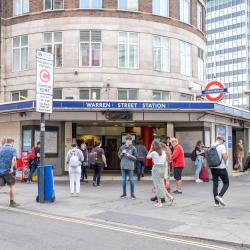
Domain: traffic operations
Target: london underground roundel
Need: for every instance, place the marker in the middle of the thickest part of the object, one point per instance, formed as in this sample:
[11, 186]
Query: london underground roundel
[214, 91]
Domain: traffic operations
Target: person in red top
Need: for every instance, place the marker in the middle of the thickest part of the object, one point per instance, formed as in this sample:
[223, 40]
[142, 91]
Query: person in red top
[178, 163]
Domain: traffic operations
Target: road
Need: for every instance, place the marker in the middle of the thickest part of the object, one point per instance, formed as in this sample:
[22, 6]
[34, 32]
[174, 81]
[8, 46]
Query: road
[23, 229]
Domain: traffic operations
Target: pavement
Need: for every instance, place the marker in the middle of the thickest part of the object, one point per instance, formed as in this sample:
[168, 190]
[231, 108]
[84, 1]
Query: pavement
[192, 214]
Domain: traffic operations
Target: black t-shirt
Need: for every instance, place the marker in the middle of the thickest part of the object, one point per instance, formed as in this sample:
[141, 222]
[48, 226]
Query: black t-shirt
[199, 149]
[37, 150]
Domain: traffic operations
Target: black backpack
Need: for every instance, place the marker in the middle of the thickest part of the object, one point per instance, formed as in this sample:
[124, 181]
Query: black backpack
[213, 159]
[193, 155]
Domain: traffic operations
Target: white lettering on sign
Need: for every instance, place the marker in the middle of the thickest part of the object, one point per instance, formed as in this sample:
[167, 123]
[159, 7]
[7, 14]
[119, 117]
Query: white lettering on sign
[98, 105]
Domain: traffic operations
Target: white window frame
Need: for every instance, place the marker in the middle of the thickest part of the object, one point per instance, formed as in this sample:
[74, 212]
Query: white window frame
[22, 9]
[162, 40]
[183, 11]
[19, 94]
[53, 43]
[90, 50]
[20, 54]
[184, 55]
[52, 3]
[127, 90]
[199, 16]
[127, 56]
[129, 2]
[160, 2]
[90, 4]
[161, 92]
[90, 91]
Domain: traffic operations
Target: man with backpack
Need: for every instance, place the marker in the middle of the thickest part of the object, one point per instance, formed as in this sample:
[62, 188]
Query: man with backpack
[97, 159]
[217, 157]
[74, 159]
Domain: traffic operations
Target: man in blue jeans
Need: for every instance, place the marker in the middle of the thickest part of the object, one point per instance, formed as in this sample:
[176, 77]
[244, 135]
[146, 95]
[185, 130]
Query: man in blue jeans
[128, 155]
[141, 157]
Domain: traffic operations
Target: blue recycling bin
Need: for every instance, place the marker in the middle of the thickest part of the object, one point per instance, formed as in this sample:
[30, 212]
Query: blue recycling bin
[49, 191]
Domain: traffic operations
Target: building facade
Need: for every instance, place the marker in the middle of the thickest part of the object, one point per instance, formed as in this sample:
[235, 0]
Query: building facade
[228, 48]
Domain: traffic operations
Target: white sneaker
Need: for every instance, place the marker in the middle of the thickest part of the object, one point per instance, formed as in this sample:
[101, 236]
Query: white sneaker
[158, 204]
[216, 205]
[220, 200]
[198, 181]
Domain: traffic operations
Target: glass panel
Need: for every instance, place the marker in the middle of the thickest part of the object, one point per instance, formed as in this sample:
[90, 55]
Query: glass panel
[156, 7]
[58, 55]
[96, 54]
[123, 37]
[16, 41]
[123, 4]
[24, 40]
[23, 95]
[96, 4]
[132, 94]
[156, 96]
[95, 94]
[122, 55]
[47, 37]
[24, 58]
[16, 59]
[58, 4]
[122, 95]
[85, 4]
[157, 59]
[84, 94]
[48, 48]
[164, 7]
[15, 97]
[47, 4]
[165, 96]
[84, 54]
[26, 8]
[58, 37]
[17, 8]
[133, 56]
[57, 94]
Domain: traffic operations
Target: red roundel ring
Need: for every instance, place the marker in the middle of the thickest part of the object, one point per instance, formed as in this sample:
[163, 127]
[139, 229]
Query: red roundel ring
[217, 98]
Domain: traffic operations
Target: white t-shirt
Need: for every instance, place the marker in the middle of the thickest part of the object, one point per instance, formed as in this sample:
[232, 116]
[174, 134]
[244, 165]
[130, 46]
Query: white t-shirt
[221, 149]
[157, 159]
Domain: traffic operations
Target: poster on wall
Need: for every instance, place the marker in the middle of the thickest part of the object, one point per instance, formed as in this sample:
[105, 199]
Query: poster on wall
[51, 141]
[27, 137]
[124, 137]
[188, 139]
[220, 130]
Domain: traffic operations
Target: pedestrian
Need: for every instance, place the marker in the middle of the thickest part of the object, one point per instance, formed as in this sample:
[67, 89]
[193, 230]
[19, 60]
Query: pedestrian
[239, 155]
[128, 155]
[141, 158]
[199, 160]
[36, 162]
[8, 157]
[169, 144]
[74, 159]
[100, 161]
[178, 163]
[247, 163]
[159, 157]
[84, 177]
[220, 171]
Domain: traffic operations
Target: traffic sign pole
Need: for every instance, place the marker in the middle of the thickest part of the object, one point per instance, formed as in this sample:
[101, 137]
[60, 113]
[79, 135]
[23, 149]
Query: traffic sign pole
[42, 157]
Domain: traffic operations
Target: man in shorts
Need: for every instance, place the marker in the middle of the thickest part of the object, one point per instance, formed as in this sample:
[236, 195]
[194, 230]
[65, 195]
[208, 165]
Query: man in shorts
[178, 164]
[8, 156]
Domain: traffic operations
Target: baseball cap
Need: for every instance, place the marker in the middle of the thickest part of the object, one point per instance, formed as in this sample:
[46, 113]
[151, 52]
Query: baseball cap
[220, 138]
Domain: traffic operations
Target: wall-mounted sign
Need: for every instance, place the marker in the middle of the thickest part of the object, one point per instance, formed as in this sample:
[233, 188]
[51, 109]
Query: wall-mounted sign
[214, 91]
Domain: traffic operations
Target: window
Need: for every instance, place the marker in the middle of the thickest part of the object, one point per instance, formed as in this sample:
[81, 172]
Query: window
[90, 4]
[161, 95]
[161, 53]
[201, 71]
[199, 16]
[127, 94]
[161, 7]
[53, 4]
[90, 48]
[128, 5]
[186, 59]
[53, 44]
[19, 96]
[128, 50]
[185, 11]
[186, 97]
[57, 93]
[20, 53]
[90, 94]
[20, 7]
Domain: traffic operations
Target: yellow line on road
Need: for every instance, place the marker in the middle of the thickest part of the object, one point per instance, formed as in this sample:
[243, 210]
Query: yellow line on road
[117, 229]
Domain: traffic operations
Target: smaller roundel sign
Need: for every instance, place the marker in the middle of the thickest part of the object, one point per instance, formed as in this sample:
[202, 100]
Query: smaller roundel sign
[214, 91]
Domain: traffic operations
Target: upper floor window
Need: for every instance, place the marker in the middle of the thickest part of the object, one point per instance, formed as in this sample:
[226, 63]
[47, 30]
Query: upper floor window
[57, 93]
[20, 53]
[52, 42]
[53, 4]
[128, 5]
[20, 7]
[90, 94]
[159, 95]
[19, 95]
[201, 64]
[161, 7]
[90, 48]
[161, 53]
[199, 16]
[186, 58]
[90, 4]
[185, 10]
[127, 94]
[128, 50]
